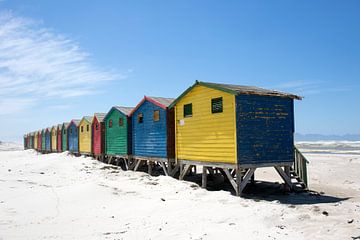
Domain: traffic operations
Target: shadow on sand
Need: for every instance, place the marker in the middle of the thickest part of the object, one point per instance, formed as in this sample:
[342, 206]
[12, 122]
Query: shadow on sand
[270, 191]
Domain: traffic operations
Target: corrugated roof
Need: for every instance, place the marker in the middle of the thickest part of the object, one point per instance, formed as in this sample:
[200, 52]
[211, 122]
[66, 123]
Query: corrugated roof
[237, 90]
[125, 110]
[240, 89]
[76, 121]
[164, 101]
[100, 116]
[88, 118]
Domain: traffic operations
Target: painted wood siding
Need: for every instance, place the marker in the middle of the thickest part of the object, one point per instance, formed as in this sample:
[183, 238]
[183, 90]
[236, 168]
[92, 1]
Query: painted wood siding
[58, 140]
[265, 127]
[116, 137]
[53, 140]
[48, 141]
[73, 138]
[64, 139]
[206, 136]
[35, 140]
[43, 138]
[149, 138]
[85, 137]
[39, 141]
[98, 137]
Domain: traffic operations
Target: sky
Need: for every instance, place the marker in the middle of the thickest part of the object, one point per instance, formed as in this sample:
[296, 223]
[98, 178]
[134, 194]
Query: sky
[61, 60]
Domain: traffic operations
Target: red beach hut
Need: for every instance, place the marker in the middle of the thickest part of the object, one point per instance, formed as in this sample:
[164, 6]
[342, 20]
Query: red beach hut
[98, 136]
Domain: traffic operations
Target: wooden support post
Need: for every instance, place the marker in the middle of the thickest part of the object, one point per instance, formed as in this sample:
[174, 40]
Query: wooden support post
[284, 176]
[230, 177]
[211, 171]
[184, 172]
[238, 180]
[126, 164]
[204, 177]
[287, 170]
[150, 165]
[246, 179]
[174, 170]
[138, 161]
[110, 159]
[164, 168]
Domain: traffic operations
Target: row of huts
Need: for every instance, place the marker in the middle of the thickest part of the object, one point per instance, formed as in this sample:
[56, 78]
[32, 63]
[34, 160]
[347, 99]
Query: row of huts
[231, 129]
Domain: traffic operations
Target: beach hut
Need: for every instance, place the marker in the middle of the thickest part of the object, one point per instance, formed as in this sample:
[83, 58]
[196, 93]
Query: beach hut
[118, 133]
[25, 142]
[85, 133]
[73, 136]
[64, 136]
[59, 138]
[36, 140]
[43, 140]
[241, 128]
[153, 132]
[48, 140]
[98, 135]
[53, 132]
[39, 140]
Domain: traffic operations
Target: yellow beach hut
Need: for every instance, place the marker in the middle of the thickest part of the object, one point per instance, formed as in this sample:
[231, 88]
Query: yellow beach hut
[235, 129]
[85, 133]
[36, 140]
[53, 138]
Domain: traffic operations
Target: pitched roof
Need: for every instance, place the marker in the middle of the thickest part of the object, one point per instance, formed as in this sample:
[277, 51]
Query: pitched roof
[125, 110]
[87, 118]
[100, 116]
[237, 90]
[75, 121]
[66, 124]
[159, 101]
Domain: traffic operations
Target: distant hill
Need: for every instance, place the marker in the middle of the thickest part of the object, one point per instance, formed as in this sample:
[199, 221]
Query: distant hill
[320, 137]
[10, 146]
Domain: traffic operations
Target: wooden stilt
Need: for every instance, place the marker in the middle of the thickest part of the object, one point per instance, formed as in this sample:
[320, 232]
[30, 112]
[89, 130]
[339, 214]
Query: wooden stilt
[184, 172]
[230, 177]
[204, 177]
[164, 168]
[174, 170]
[238, 180]
[246, 179]
[284, 176]
[149, 163]
[137, 164]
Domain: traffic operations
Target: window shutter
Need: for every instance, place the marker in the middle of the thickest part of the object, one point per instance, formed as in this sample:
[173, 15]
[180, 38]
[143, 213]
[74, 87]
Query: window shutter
[217, 105]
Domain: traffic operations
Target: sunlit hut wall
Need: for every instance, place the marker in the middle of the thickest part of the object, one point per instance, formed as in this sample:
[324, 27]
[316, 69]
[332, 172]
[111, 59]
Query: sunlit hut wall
[39, 140]
[54, 138]
[59, 138]
[73, 136]
[222, 123]
[48, 139]
[36, 140]
[98, 134]
[64, 136]
[43, 140]
[153, 128]
[85, 133]
[118, 131]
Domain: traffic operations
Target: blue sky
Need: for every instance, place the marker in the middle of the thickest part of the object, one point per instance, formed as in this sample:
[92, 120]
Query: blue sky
[65, 59]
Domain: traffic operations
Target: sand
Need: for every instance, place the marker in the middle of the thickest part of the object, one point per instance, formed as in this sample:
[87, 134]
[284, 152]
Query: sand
[59, 196]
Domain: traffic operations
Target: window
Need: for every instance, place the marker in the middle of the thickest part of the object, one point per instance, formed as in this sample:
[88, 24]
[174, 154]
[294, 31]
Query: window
[64, 131]
[121, 122]
[97, 126]
[156, 116]
[70, 131]
[82, 128]
[140, 118]
[188, 110]
[87, 127]
[217, 105]
[110, 123]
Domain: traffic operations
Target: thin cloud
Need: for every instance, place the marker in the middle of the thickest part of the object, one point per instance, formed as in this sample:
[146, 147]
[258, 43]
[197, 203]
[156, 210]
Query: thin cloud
[36, 63]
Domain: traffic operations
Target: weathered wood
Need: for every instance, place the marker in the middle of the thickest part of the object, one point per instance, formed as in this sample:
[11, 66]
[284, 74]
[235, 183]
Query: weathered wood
[204, 177]
[164, 168]
[285, 177]
[238, 180]
[137, 164]
[174, 170]
[230, 177]
[184, 171]
[246, 179]
[150, 166]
